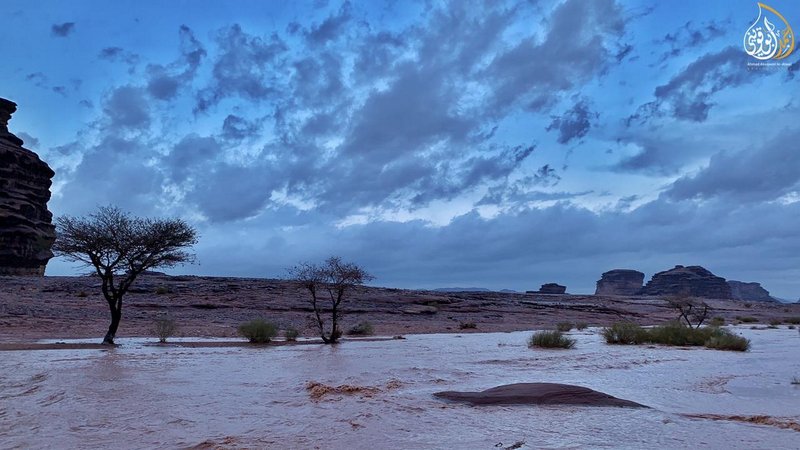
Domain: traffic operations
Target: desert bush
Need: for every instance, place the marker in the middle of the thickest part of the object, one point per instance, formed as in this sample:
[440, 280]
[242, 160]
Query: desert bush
[467, 326]
[291, 334]
[746, 319]
[625, 333]
[164, 327]
[775, 322]
[82, 294]
[581, 325]
[564, 326]
[678, 334]
[791, 327]
[162, 290]
[793, 320]
[550, 339]
[717, 321]
[258, 331]
[725, 340]
[363, 328]
[748, 305]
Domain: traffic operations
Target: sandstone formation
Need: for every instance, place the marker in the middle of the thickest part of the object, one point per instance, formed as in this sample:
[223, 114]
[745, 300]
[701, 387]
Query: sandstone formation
[749, 292]
[537, 394]
[694, 281]
[620, 282]
[552, 288]
[26, 231]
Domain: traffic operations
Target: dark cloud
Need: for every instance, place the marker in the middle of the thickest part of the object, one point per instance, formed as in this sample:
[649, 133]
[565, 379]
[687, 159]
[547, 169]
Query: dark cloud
[127, 107]
[574, 123]
[759, 174]
[190, 155]
[246, 66]
[691, 35]
[164, 81]
[62, 29]
[689, 94]
[331, 28]
[237, 128]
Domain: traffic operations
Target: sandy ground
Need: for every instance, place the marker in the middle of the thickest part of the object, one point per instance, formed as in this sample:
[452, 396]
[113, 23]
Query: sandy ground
[72, 307]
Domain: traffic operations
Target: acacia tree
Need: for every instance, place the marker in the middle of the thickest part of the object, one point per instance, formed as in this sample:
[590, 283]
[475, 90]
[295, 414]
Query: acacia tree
[120, 247]
[691, 310]
[334, 278]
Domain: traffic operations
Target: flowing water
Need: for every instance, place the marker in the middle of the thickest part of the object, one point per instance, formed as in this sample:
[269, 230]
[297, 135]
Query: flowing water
[147, 396]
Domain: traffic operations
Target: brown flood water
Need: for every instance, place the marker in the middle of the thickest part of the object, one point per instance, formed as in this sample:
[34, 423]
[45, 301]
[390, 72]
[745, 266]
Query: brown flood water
[145, 396]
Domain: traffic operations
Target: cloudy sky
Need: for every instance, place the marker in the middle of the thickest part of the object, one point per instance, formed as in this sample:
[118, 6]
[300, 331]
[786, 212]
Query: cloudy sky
[502, 144]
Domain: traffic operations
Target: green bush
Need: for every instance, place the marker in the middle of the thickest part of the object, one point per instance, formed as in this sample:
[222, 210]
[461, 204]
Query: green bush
[564, 326]
[291, 334]
[363, 328]
[82, 294]
[162, 290]
[625, 333]
[725, 340]
[746, 319]
[164, 327]
[467, 326]
[258, 331]
[793, 320]
[581, 325]
[717, 322]
[550, 339]
[676, 333]
[775, 322]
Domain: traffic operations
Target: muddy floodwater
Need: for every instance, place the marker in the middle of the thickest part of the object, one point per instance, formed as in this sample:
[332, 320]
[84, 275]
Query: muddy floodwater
[148, 396]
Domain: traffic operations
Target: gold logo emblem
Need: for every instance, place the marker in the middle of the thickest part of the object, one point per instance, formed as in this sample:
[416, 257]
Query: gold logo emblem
[769, 39]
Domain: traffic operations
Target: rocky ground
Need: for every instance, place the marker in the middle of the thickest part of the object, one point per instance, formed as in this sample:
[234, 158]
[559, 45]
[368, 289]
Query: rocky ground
[73, 307]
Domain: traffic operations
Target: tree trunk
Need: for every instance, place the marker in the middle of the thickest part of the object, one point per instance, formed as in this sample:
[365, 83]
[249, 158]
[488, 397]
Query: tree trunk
[116, 316]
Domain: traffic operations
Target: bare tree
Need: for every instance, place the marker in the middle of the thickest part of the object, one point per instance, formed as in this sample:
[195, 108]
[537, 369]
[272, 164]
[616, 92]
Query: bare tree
[691, 310]
[334, 278]
[120, 247]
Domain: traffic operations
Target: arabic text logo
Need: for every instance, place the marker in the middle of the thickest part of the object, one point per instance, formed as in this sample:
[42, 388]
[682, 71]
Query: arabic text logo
[769, 39]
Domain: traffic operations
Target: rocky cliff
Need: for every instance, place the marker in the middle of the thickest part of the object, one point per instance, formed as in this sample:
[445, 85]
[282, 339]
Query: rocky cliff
[552, 288]
[750, 292]
[691, 280]
[620, 282]
[26, 231]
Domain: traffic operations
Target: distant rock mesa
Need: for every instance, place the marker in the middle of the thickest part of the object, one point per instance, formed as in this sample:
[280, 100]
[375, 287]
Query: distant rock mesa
[620, 282]
[26, 229]
[749, 292]
[552, 288]
[694, 281]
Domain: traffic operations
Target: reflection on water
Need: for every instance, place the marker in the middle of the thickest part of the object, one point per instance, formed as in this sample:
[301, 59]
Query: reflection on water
[148, 396]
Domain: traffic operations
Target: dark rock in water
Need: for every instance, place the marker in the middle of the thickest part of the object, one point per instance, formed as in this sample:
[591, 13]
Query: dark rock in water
[620, 282]
[552, 288]
[694, 281]
[26, 230]
[751, 292]
[537, 394]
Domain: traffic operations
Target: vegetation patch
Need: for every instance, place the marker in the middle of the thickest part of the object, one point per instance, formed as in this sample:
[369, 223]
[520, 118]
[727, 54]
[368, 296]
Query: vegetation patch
[164, 328]
[581, 325]
[467, 326]
[676, 334]
[363, 328]
[258, 331]
[625, 333]
[550, 339]
[291, 334]
[746, 319]
[564, 326]
[717, 322]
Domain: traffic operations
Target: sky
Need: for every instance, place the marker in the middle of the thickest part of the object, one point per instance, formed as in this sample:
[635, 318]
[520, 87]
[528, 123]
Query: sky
[500, 144]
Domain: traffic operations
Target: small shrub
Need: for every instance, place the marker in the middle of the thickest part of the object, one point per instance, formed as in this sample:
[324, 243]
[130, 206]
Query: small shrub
[625, 333]
[564, 326]
[82, 294]
[467, 326]
[550, 339]
[746, 319]
[164, 327]
[291, 334]
[748, 305]
[258, 331]
[678, 334]
[717, 322]
[793, 320]
[725, 340]
[791, 327]
[162, 290]
[581, 325]
[775, 322]
[361, 329]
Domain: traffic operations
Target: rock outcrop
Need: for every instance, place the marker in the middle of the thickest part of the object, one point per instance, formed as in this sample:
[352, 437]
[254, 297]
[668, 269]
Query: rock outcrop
[694, 281]
[749, 292]
[620, 282]
[552, 288]
[537, 394]
[26, 230]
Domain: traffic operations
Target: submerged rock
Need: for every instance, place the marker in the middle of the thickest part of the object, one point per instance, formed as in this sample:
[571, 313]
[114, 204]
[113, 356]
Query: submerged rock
[26, 230]
[694, 281]
[751, 292]
[538, 394]
[620, 282]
